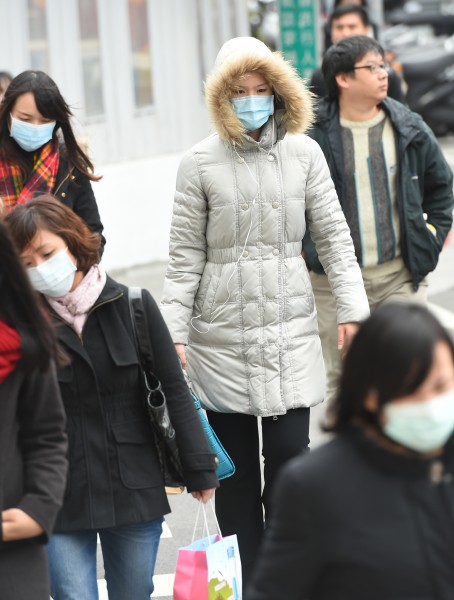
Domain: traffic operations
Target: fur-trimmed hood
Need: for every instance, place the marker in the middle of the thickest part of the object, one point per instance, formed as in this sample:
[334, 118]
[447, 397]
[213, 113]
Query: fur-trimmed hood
[242, 55]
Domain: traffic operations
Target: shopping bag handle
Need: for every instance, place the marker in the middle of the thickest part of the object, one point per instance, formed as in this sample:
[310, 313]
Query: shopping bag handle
[206, 529]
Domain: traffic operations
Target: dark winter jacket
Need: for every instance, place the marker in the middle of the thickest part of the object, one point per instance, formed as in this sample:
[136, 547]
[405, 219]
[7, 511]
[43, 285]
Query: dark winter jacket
[33, 447]
[33, 468]
[353, 521]
[74, 190]
[423, 186]
[114, 474]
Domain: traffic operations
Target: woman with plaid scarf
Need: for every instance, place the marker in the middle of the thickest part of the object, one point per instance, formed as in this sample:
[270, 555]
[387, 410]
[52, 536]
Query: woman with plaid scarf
[39, 153]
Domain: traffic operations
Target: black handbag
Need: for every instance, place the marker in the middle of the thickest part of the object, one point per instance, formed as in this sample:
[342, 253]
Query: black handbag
[155, 400]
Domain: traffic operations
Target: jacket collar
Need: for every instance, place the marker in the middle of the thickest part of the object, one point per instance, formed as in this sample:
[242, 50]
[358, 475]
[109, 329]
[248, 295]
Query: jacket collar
[406, 123]
[409, 465]
[67, 336]
[273, 131]
[111, 291]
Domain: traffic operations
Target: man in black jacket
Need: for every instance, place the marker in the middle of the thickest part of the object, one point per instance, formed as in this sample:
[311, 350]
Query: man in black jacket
[345, 21]
[392, 180]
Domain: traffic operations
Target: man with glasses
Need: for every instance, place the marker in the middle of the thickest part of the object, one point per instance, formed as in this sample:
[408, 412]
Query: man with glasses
[393, 183]
[346, 21]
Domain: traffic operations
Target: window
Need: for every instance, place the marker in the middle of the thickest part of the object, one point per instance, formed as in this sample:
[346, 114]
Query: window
[39, 58]
[91, 58]
[140, 52]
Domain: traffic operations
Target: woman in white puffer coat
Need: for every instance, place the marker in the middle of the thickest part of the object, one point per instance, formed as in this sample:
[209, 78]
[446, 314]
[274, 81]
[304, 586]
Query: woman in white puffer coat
[237, 296]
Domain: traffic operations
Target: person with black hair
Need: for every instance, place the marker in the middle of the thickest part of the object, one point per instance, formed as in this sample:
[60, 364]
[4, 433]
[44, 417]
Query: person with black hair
[372, 29]
[39, 153]
[346, 21]
[393, 183]
[369, 514]
[33, 442]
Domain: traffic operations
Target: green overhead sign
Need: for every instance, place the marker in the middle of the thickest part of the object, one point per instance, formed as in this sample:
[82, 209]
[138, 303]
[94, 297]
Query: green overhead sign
[298, 24]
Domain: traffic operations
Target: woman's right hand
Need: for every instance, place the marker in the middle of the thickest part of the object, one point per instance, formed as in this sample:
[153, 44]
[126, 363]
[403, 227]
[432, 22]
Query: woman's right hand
[18, 525]
[181, 351]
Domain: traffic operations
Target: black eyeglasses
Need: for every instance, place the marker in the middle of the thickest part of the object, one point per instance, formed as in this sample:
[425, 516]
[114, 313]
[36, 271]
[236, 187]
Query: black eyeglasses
[374, 69]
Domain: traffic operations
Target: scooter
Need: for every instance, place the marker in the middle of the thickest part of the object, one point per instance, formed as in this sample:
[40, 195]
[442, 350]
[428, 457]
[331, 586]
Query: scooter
[426, 62]
[429, 73]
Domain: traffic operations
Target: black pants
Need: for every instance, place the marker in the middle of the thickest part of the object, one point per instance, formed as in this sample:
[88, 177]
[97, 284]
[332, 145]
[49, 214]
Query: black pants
[239, 500]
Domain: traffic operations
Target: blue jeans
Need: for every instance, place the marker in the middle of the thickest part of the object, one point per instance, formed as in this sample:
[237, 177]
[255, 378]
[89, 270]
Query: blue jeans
[129, 555]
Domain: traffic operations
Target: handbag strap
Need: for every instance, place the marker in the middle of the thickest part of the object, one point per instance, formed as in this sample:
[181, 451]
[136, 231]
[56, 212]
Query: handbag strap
[140, 328]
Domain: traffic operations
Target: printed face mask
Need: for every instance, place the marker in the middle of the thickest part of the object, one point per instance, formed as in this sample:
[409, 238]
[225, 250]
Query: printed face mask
[421, 426]
[55, 276]
[31, 137]
[253, 111]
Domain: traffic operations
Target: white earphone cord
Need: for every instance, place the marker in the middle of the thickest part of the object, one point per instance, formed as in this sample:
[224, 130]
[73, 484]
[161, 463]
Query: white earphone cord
[217, 311]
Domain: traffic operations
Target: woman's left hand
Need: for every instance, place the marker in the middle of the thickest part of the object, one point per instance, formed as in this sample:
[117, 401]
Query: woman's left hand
[18, 525]
[204, 495]
[345, 334]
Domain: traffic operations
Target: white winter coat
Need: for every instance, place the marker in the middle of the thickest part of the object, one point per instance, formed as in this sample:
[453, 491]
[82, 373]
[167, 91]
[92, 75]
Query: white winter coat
[237, 290]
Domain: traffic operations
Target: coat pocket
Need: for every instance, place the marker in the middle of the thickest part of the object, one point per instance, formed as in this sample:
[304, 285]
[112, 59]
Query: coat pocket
[136, 453]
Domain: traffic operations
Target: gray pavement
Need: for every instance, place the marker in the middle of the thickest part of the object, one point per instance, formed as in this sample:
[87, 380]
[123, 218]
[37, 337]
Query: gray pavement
[181, 522]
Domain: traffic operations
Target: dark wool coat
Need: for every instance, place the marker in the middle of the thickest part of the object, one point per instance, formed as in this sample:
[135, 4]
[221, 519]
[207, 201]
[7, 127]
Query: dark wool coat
[33, 467]
[353, 521]
[74, 190]
[114, 474]
[423, 185]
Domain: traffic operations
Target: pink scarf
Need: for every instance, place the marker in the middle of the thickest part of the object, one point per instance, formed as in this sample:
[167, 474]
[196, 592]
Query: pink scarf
[75, 306]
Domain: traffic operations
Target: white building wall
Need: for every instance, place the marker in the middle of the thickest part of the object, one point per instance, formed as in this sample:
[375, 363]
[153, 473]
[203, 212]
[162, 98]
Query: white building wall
[135, 200]
[136, 150]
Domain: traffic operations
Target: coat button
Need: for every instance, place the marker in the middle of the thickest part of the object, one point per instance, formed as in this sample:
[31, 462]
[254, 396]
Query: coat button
[270, 157]
[245, 253]
[73, 177]
[63, 194]
[244, 206]
[275, 204]
[276, 252]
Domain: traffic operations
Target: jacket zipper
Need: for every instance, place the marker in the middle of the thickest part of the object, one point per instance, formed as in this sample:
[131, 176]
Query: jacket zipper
[92, 310]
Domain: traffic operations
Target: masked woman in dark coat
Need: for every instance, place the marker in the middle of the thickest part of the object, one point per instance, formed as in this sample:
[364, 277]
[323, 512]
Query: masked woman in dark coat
[33, 442]
[115, 486]
[370, 514]
[38, 150]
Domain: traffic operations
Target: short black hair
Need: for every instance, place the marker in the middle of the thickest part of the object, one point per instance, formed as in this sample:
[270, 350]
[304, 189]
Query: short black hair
[349, 9]
[342, 58]
[339, 3]
[391, 355]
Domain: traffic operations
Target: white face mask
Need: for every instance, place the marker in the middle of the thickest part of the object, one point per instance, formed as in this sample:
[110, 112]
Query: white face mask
[30, 137]
[421, 426]
[55, 276]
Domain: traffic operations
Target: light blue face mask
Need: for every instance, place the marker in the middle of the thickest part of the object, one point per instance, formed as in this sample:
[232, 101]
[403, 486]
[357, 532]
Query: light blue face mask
[55, 276]
[31, 137]
[253, 111]
[421, 426]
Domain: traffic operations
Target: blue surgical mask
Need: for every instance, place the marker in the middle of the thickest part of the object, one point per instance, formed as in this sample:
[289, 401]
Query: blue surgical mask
[55, 276]
[253, 111]
[421, 426]
[31, 137]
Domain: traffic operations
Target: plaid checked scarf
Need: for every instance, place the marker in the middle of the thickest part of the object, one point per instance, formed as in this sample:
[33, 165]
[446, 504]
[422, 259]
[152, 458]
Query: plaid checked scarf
[13, 190]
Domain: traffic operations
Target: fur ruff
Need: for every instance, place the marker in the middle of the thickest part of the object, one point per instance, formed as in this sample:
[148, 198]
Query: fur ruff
[289, 91]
